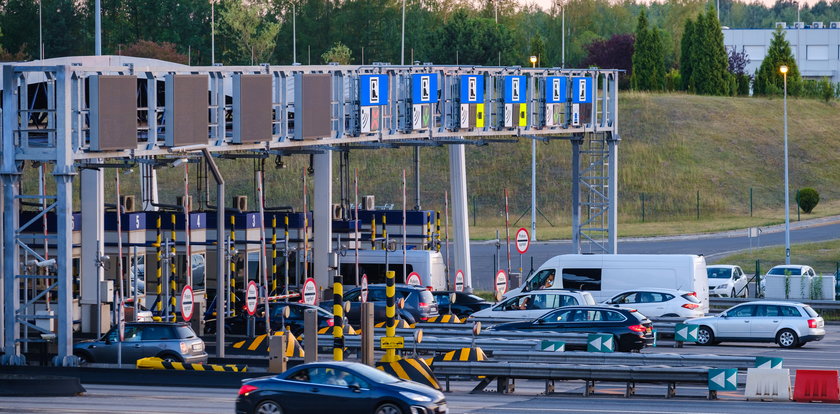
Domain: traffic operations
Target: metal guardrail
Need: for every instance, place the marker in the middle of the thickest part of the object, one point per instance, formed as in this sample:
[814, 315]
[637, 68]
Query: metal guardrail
[505, 372]
[615, 359]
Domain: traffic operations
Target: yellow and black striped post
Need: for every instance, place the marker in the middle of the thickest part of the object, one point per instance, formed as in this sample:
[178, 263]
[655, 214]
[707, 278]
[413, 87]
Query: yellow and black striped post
[437, 236]
[391, 314]
[428, 230]
[173, 268]
[274, 253]
[158, 257]
[232, 265]
[338, 321]
[286, 255]
[385, 231]
[373, 233]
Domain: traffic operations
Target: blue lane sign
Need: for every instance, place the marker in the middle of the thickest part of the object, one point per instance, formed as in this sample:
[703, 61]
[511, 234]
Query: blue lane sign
[582, 90]
[472, 89]
[424, 88]
[768, 362]
[374, 90]
[555, 89]
[515, 89]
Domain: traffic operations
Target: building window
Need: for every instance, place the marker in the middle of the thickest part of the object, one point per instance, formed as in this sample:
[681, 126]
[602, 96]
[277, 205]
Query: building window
[755, 53]
[817, 52]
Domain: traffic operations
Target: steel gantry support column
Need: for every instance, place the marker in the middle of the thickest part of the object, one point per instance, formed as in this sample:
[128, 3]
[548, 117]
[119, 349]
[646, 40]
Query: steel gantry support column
[577, 140]
[322, 218]
[221, 290]
[93, 246]
[11, 213]
[461, 223]
[612, 168]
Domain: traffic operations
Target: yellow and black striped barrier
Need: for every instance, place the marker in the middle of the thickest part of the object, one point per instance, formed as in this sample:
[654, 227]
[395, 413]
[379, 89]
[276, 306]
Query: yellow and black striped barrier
[411, 369]
[157, 363]
[173, 269]
[348, 330]
[232, 265]
[159, 269]
[399, 324]
[445, 319]
[260, 345]
[338, 322]
[462, 355]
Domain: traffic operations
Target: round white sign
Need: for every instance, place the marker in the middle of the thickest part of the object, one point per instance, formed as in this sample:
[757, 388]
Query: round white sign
[310, 291]
[459, 281]
[251, 295]
[414, 279]
[523, 240]
[121, 316]
[187, 303]
[501, 282]
[364, 288]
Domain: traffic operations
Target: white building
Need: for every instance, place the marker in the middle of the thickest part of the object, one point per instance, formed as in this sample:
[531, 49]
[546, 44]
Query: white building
[816, 47]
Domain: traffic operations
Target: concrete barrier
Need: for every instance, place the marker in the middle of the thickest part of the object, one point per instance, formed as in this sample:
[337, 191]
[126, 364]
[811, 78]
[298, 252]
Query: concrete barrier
[817, 386]
[768, 384]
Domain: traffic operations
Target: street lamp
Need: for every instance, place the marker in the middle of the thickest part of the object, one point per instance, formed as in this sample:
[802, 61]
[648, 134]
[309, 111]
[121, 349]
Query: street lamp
[533, 61]
[784, 70]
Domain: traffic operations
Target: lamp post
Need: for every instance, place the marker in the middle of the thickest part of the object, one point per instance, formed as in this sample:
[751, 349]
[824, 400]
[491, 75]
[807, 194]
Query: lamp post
[784, 70]
[533, 177]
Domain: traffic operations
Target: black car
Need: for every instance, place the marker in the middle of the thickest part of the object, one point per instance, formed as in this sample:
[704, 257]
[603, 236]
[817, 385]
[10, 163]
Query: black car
[346, 387]
[632, 330]
[419, 306]
[465, 303]
[238, 325]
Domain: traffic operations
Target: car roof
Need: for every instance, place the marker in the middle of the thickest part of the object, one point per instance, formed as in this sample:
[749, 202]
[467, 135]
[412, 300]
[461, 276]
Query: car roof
[722, 266]
[655, 289]
[158, 323]
[773, 302]
[594, 307]
[790, 266]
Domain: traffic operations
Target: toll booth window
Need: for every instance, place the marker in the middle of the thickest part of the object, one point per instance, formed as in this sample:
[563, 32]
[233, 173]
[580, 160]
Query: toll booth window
[583, 279]
[198, 271]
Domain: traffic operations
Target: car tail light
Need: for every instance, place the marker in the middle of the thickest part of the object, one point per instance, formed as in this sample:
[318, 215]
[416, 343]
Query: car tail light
[692, 294]
[812, 323]
[423, 304]
[330, 322]
[423, 318]
[247, 389]
[691, 306]
[429, 288]
[637, 328]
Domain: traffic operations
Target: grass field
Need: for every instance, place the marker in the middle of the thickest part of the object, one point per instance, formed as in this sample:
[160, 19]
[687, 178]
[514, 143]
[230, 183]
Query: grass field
[824, 257]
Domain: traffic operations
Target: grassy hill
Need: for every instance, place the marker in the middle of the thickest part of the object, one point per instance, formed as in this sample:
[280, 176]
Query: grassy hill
[673, 146]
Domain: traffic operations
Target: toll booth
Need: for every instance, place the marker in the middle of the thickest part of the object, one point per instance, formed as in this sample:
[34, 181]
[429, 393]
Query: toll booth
[422, 231]
[134, 250]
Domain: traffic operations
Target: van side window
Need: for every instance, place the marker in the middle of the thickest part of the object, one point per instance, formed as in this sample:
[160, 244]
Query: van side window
[583, 279]
[543, 279]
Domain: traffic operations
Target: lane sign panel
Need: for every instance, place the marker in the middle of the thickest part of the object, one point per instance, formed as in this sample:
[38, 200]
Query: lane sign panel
[391, 342]
[556, 89]
[364, 293]
[414, 279]
[501, 282]
[581, 90]
[723, 379]
[310, 291]
[459, 281]
[424, 88]
[472, 89]
[523, 240]
[187, 303]
[251, 295]
[515, 89]
[374, 90]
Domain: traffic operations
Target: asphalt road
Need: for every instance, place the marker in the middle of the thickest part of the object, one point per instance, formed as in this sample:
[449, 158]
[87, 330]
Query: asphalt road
[713, 246]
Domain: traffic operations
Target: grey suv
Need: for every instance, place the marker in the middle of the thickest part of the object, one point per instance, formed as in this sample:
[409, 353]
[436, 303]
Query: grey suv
[171, 341]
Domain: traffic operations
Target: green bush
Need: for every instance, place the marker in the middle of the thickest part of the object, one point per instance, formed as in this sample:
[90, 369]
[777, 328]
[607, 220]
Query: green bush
[673, 81]
[807, 198]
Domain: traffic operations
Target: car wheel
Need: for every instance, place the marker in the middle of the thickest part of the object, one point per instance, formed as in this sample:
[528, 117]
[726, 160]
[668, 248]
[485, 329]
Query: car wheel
[746, 291]
[388, 408]
[268, 407]
[787, 338]
[84, 357]
[171, 358]
[705, 336]
[732, 294]
[670, 315]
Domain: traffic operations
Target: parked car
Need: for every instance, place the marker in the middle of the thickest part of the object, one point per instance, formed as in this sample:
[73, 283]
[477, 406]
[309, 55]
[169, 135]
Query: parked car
[788, 324]
[465, 303]
[419, 305]
[727, 281]
[631, 329]
[655, 302]
[171, 341]
[348, 387]
[782, 270]
[238, 325]
[532, 305]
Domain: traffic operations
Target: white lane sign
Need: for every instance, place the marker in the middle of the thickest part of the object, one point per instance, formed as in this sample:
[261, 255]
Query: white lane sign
[523, 240]
[501, 282]
[310, 291]
[187, 303]
[251, 295]
[414, 279]
[459, 281]
[364, 288]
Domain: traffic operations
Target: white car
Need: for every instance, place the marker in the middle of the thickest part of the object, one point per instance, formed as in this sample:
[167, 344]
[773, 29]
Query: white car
[789, 324]
[781, 270]
[658, 302]
[532, 305]
[727, 281]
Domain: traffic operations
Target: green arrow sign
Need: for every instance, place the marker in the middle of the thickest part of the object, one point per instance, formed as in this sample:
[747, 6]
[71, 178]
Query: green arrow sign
[552, 346]
[685, 333]
[767, 362]
[723, 379]
[600, 343]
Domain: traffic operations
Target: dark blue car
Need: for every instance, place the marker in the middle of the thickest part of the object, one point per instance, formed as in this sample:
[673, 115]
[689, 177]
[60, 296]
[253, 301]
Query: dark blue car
[345, 387]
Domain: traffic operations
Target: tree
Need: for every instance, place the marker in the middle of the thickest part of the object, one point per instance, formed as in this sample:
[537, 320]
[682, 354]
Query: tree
[768, 78]
[738, 62]
[163, 51]
[252, 33]
[473, 41]
[339, 53]
[807, 198]
[613, 53]
[538, 50]
[687, 56]
[648, 58]
[710, 63]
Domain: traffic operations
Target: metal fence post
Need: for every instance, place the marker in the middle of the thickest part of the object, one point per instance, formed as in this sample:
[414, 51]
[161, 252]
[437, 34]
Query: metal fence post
[367, 334]
[277, 354]
[310, 335]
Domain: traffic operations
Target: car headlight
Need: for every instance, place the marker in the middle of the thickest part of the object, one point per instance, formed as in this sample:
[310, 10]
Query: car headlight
[184, 348]
[415, 397]
[722, 286]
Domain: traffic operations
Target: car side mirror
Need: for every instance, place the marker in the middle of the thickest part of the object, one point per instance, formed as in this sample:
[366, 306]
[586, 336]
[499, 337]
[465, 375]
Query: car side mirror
[107, 341]
[355, 387]
[539, 321]
[723, 315]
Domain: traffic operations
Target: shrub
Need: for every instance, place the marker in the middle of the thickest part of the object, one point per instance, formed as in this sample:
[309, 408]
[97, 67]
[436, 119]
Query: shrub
[807, 198]
[672, 80]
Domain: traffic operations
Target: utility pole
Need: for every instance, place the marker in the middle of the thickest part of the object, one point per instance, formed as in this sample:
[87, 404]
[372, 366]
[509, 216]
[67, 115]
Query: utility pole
[98, 28]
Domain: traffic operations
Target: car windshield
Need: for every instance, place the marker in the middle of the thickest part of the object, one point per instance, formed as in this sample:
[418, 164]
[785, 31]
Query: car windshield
[718, 273]
[811, 312]
[783, 270]
[691, 297]
[476, 298]
[375, 375]
[426, 297]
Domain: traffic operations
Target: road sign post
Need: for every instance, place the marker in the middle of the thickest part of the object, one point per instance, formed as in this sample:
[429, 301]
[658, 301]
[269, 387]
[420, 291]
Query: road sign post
[187, 303]
[414, 279]
[251, 295]
[310, 291]
[364, 293]
[459, 281]
[501, 283]
[523, 241]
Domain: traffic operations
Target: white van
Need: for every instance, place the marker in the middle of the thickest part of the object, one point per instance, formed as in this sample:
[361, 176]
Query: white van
[427, 263]
[605, 275]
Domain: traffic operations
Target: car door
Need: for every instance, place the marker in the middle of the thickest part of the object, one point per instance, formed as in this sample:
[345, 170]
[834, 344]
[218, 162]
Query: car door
[736, 324]
[765, 321]
[132, 347]
[740, 281]
[646, 303]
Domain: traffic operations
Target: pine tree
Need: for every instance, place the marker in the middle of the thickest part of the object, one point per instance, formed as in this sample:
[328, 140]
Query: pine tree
[768, 78]
[687, 55]
[648, 58]
[709, 75]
